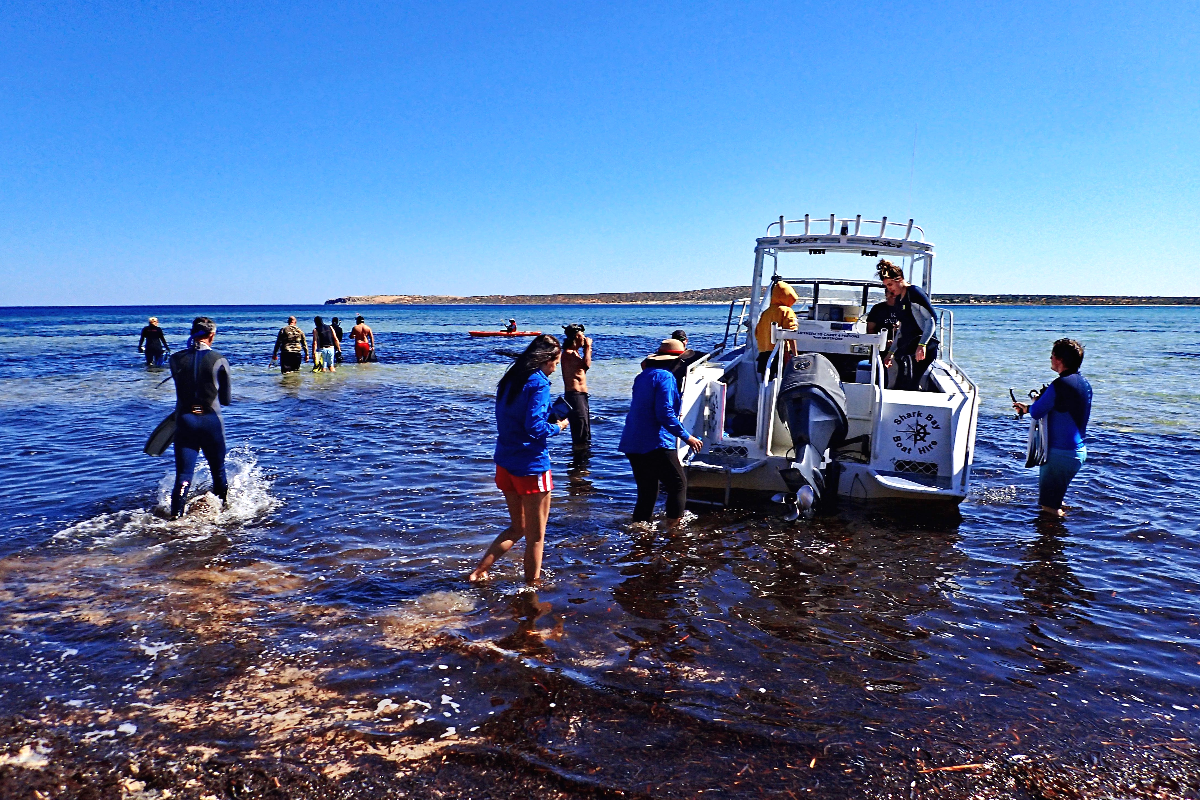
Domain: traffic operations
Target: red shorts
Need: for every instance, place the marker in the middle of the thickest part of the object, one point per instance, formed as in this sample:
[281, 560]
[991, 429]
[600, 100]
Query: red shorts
[523, 484]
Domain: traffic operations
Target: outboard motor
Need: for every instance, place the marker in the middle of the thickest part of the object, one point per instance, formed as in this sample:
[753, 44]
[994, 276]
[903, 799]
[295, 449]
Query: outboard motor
[813, 403]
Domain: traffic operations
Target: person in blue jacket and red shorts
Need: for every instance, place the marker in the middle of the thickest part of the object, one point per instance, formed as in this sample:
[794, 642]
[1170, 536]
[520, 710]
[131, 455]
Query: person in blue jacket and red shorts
[522, 461]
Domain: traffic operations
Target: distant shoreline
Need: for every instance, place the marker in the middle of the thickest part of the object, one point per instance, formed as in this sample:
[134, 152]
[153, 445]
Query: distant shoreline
[726, 294]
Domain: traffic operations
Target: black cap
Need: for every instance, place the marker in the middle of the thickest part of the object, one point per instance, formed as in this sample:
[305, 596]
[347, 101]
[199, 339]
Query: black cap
[679, 334]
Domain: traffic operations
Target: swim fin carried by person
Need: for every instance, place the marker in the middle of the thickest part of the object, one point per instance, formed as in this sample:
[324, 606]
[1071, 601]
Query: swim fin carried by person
[201, 387]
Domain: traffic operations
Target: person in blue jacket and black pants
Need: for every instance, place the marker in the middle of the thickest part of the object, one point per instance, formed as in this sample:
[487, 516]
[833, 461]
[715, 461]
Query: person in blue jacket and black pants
[522, 460]
[1068, 404]
[652, 431]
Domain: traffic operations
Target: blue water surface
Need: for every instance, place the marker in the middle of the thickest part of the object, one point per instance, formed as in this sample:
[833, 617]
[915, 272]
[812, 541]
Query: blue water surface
[362, 498]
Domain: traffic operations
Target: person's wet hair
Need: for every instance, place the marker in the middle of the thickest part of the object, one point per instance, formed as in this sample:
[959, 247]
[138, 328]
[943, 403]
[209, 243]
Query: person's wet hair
[887, 271]
[203, 327]
[540, 352]
[679, 335]
[1069, 352]
[359, 318]
[318, 321]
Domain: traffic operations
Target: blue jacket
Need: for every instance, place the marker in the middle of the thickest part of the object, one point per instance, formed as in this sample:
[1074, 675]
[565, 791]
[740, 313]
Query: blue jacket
[653, 418]
[1068, 404]
[523, 428]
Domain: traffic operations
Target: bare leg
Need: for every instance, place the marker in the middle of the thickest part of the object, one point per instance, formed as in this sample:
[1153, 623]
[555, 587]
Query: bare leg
[507, 538]
[536, 508]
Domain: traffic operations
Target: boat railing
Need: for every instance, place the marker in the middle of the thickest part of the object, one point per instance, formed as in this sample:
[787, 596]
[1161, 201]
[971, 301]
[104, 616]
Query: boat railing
[842, 226]
[945, 331]
[741, 323]
[945, 334]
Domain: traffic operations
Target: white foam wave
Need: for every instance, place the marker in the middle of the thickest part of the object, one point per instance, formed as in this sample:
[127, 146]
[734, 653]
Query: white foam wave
[249, 499]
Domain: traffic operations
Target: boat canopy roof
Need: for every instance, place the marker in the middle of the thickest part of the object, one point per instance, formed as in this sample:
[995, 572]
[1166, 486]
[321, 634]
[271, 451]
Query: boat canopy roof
[868, 237]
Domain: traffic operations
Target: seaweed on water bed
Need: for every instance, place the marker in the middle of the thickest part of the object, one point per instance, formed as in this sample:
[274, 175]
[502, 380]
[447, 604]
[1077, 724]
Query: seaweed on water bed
[162, 770]
[160, 764]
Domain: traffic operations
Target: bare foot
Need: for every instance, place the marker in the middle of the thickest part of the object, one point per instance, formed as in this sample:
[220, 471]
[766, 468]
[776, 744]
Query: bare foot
[1054, 512]
[477, 576]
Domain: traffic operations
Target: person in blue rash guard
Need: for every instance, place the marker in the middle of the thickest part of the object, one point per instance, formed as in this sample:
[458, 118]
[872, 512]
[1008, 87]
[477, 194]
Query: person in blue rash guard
[201, 386]
[522, 460]
[915, 346]
[1067, 405]
[652, 431]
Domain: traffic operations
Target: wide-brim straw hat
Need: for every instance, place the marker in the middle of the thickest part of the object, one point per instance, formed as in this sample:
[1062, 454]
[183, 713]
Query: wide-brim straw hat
[669, 350]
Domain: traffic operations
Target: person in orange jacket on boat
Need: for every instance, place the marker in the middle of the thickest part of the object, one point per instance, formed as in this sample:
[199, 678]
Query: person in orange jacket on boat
[780, 313]
[511, 327]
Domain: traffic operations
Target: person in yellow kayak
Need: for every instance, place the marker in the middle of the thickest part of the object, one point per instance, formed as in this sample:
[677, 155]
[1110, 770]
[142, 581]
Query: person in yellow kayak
[780, 313]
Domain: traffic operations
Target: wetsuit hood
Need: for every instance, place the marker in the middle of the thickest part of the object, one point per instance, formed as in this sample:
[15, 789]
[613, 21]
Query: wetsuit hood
[782, 294]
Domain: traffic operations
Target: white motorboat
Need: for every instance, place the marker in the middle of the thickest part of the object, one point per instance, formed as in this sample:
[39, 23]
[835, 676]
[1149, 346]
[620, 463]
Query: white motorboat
[823, 424]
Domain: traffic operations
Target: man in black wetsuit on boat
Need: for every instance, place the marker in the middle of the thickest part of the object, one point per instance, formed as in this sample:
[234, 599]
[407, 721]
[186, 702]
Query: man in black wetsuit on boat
[153, 343]
[201, 387]
[915, 344]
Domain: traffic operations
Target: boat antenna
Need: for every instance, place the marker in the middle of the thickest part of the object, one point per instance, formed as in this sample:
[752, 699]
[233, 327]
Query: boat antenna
[912, 169]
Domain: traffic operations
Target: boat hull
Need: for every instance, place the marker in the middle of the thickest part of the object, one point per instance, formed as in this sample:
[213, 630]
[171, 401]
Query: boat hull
[858, 483]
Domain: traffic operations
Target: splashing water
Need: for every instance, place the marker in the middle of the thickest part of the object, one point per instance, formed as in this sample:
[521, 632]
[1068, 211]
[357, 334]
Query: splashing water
[250, 499]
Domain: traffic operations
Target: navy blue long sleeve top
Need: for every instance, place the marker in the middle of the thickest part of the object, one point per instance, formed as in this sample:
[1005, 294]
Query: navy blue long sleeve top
[653, 418]
[1068, 404]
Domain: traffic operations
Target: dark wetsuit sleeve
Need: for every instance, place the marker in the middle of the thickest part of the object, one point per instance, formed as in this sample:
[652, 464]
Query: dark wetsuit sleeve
[221, 375]
[142, 339]
[924, 315]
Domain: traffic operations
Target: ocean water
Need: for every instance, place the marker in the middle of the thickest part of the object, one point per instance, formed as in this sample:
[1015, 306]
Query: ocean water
[324, 616]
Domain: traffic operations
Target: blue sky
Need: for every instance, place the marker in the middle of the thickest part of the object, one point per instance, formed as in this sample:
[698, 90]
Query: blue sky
[243, 153]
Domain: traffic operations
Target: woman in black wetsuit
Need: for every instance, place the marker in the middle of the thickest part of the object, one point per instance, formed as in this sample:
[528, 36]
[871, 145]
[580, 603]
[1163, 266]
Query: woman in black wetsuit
[201, 387]
[153, 343]
[915, 346]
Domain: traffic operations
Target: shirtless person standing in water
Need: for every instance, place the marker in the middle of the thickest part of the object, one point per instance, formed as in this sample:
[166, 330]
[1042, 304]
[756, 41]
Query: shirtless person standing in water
[576, 361]
[364, 340]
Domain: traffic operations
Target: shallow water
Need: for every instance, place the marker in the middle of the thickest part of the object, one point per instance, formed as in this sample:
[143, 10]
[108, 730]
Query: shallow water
[330, 594]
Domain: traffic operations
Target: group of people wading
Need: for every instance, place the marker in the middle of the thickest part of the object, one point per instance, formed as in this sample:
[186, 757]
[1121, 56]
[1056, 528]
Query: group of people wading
[202, 386]
[526, 415]
[653, 429]
[291, 350]
[526, 419]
